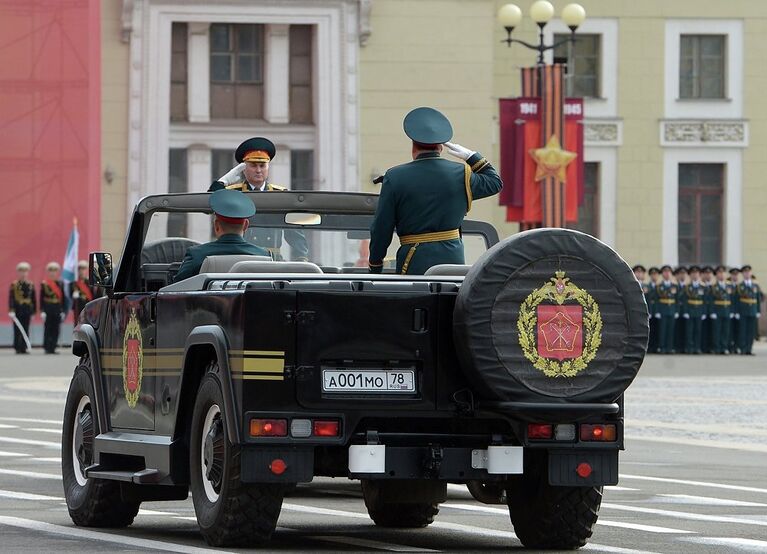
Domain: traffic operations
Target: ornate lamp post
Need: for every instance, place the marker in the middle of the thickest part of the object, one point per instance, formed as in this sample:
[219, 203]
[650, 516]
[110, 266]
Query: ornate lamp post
[544, 85]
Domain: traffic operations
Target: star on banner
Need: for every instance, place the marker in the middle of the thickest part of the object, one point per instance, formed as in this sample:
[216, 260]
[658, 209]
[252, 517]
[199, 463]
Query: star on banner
[552, 160]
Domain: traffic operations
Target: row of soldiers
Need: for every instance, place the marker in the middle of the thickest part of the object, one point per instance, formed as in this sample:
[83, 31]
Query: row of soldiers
[701, 310]
[23, 303]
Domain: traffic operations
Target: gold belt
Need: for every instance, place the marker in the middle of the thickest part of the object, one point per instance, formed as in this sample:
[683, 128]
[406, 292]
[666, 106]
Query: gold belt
[695, 302]
[748, 300]
[722, 302]
[430, 237]
[667, 301]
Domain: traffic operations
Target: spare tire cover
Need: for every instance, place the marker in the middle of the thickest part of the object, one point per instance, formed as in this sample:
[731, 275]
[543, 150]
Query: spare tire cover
[551, 315]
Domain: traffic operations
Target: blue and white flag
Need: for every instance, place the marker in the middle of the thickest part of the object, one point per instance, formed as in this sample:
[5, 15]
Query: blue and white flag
[69, 269]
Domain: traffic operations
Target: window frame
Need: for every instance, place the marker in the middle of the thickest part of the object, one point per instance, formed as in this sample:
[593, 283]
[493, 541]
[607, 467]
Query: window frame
[697, 192]
[234, 54]
[570, 65]
[698, 63]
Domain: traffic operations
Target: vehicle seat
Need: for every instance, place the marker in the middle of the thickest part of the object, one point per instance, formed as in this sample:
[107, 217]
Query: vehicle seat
[166, 251]
[274, 267]
[223, 264]
[448, 269]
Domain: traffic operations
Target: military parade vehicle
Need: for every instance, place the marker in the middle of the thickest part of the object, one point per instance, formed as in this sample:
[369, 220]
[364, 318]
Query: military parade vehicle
[506, 374]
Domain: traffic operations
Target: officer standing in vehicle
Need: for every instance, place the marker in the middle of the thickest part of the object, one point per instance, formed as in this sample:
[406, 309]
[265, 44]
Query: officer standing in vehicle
[748, 297]
[667, 310]
[22, 305]
[426, 200]
[720, 311]
[693, 299]
[232, 209]
[651, 298]
[52, 307]
[251, 174]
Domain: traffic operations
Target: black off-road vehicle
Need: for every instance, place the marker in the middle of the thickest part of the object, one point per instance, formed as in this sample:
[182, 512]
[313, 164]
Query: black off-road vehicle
[506, 375]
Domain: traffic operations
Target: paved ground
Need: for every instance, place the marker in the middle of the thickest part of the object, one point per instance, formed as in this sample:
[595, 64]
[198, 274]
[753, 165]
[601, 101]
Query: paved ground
[693, 478]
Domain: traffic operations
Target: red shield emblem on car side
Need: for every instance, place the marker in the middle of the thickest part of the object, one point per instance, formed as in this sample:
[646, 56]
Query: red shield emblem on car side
[131, 365]
[560, 331]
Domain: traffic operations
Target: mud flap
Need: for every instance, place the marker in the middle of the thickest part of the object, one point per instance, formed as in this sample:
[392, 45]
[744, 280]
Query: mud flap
[583, 468]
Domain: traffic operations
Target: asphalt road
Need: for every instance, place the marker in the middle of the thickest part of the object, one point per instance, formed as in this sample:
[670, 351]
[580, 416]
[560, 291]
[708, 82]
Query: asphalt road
[693, 477]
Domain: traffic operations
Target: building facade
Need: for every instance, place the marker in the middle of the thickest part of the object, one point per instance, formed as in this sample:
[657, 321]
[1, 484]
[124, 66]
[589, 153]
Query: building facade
[675, 123]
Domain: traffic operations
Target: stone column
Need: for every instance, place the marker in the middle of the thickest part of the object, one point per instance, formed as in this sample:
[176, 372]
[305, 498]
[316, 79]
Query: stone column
[198, 159]
[277, 74]
[198, 72]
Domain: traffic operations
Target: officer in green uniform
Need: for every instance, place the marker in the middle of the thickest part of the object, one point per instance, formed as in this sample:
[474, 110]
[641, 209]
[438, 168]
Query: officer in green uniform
[693, 307]
[680, 332]
[232, 209]
[748, 298]
[667, 310]
[22, 305]
[639, 274]
[734, 322]
[651, 298]
[426, 200]
[720, 311]
[707, 279]
[251, 174]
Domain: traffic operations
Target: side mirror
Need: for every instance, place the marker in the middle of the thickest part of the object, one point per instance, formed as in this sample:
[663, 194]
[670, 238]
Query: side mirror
[100, 270]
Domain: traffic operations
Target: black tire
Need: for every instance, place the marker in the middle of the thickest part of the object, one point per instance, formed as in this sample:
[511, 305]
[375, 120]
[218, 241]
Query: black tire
[234, 513]
[381, 500]
[489, 320]
[91, 502]
[548, 517]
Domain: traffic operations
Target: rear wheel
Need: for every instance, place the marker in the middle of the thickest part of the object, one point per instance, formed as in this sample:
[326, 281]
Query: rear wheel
[404, 504]
[229, 512]
[551, 517]
[91, 502]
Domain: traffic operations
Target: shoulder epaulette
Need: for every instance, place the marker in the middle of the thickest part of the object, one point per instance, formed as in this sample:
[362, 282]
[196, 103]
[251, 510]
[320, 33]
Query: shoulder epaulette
[270, 186]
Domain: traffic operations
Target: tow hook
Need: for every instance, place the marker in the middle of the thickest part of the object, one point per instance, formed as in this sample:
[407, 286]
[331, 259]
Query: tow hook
[433, 461]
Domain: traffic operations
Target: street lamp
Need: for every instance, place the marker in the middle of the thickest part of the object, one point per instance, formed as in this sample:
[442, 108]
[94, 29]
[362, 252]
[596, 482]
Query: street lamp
[509, 16]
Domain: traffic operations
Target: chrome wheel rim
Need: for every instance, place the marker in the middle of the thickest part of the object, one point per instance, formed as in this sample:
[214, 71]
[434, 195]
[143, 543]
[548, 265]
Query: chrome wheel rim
[82, 440]
[212, 453]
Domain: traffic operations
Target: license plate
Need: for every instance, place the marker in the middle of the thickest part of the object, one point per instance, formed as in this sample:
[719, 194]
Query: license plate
[377, 381]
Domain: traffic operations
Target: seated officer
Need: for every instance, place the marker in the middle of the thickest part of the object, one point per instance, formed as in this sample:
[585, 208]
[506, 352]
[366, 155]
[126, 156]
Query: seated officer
[251, 175]
[232, 209]
[426, 200]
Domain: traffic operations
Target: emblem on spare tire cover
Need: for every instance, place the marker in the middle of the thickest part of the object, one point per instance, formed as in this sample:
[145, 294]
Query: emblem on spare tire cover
[560, 327]
[133, 360]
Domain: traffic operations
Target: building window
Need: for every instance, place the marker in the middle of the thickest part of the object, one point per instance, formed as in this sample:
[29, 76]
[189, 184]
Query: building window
[582, 61]
[221, 161]
[302, 169]
[588, 212]
[301, 74]
[178, 57]
[701, 66]
[701, 189]
[177, 182]
[236, 71]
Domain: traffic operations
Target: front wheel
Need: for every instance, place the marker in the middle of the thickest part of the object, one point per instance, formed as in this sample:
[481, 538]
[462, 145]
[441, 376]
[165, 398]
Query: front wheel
[91, 502]
[229, 512]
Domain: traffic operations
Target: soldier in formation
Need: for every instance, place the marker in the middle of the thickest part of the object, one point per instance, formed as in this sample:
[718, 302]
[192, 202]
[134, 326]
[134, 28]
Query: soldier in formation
[52, 307]
[81, 291]
[748, 297]
[22, 305]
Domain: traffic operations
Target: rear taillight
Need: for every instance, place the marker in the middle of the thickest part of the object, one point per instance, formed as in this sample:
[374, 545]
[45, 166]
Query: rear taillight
[540, 431]
[606, 432]
[268, 427]
[325, 428]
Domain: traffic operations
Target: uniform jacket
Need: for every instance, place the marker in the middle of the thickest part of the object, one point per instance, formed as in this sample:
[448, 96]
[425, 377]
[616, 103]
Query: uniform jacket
[692, 299]
[720, 299]
[21, 297]
[430, 194]
[52, 299]
[648, 289]
[224, 245]
[748, 298]
[81, 293]
[666, 298]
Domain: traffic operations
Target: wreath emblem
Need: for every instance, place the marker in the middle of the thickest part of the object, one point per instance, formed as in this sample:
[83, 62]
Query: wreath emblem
[564, 345]
[133, 360]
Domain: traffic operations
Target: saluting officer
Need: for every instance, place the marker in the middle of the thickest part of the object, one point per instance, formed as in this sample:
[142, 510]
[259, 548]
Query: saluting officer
[720, 311]
[426, 200]
[52, 307]
[22, 304]
[667, 310]
[734, 346]
[81, 290]
[692, 299]
[748, 297]
[651, 298]
[251, 174]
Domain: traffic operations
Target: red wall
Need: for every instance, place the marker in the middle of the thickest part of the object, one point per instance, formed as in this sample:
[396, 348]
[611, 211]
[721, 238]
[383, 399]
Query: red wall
[50, 146]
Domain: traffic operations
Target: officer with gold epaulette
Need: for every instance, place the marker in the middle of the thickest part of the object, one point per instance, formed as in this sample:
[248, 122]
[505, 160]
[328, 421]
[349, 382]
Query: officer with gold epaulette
[734, 280]
[748, 298]
[693, 307]
[680, 332]
[667, 310]
[22, 305]
[81, 291]
[426, 199]
[52, 307]
[251, 174]
[720, 311]
[651, 297]
[707, 279]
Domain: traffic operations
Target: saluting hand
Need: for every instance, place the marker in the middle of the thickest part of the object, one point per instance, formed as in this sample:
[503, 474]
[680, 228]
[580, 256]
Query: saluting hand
[459, 151]
[234, 175]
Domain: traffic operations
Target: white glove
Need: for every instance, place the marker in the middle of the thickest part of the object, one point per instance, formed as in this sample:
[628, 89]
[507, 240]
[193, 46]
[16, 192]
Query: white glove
[676, 316]
[43, 315]
[732, 316]
[703, 317]
[75, 295]
[713, 316]
[11, 314]
[758, 316]
[459, 151]
[737, 316]
[686, 316]
[62, 316]
[657, 315]
[234, 175]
